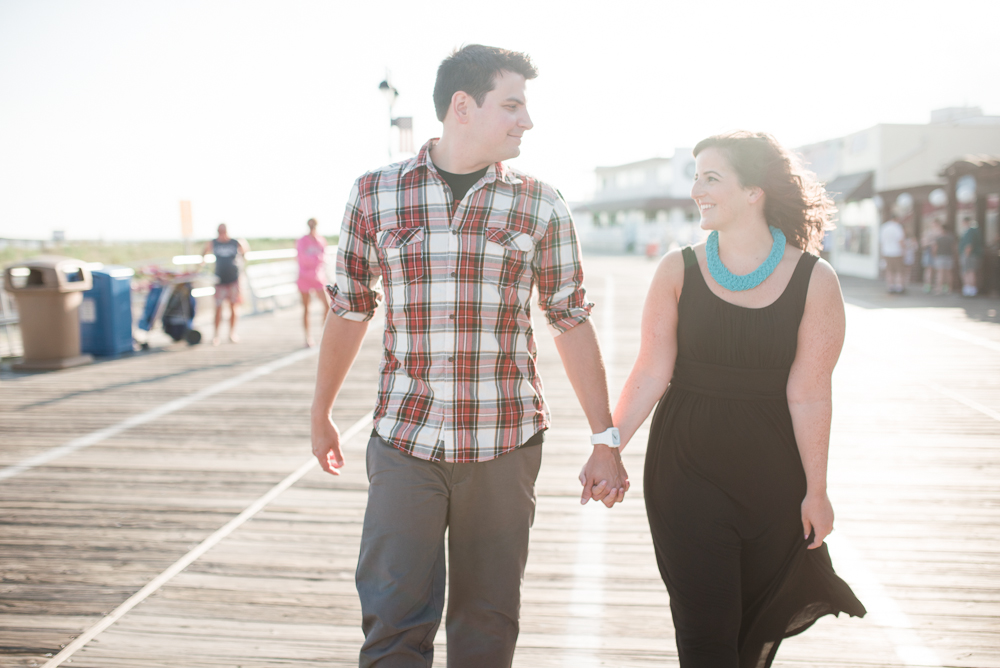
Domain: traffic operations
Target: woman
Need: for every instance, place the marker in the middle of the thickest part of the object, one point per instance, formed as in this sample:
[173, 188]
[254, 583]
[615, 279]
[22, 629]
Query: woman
[745, 330]
[944, 261]
[311, 252]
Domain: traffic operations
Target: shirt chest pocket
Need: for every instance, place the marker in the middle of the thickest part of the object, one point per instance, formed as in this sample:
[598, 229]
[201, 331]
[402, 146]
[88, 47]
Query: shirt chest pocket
[402, 255]
[506, 256]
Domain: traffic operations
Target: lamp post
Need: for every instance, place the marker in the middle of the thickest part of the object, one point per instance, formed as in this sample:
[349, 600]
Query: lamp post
[390, 93]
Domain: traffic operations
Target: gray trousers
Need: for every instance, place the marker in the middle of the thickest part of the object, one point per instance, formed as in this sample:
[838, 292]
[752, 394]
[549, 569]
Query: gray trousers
[488, 508]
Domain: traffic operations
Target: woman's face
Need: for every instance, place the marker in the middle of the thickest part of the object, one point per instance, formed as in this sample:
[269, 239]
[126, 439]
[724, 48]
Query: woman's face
[718, 192]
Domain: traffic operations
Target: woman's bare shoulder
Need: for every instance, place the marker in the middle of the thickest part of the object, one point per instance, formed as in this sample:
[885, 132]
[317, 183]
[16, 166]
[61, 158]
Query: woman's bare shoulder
[670, 272]
[824, 286]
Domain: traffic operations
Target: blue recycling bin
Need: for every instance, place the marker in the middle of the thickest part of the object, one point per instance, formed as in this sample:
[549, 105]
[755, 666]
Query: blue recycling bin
[106, 313]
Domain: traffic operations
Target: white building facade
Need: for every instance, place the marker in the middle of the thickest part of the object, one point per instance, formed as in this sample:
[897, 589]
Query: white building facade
[895, 170]
[641, 207]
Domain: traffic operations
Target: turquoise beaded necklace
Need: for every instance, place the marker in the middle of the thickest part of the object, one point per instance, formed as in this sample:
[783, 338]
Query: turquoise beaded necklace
[734, 282]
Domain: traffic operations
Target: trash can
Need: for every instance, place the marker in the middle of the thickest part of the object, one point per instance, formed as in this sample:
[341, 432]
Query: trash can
[49, 290]
[106, 313]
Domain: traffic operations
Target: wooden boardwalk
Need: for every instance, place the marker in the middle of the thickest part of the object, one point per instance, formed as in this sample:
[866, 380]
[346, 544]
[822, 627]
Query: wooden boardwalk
[915, 479]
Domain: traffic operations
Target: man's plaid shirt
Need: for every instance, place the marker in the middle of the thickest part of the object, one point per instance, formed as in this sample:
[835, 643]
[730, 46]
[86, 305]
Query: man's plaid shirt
[458, 380]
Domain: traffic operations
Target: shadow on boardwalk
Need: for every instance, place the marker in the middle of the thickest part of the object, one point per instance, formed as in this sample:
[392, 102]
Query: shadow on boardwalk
[871, 294]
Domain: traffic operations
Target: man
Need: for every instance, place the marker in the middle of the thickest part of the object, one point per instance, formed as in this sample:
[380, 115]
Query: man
[227, 253]
[970, 251]
[891, 238]
[459, 241]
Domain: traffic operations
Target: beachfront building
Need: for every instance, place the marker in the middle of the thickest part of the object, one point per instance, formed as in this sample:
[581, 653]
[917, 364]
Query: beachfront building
[920, 173]
[640, 207]
[902, 170]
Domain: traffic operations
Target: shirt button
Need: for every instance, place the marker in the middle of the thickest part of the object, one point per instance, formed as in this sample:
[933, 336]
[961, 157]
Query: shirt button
[451, 315]
[454, 231]
[451, 359]
[454, 274]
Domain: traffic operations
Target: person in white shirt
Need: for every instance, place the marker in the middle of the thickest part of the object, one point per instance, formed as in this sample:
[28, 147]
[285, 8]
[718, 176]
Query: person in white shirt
[891, 237]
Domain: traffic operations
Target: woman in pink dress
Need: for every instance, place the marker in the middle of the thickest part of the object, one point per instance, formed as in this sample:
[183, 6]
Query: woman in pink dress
[311, 251]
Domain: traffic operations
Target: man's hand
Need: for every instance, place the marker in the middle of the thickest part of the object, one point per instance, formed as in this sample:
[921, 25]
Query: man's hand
[340, 345]
[326, 444]
[604, 477]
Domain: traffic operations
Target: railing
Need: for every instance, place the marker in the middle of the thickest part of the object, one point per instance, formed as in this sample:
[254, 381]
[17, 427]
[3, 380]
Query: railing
[270, 278]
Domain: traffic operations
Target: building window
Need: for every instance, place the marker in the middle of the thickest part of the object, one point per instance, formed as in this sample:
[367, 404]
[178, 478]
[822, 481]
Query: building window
[857, 221]
[857, 239]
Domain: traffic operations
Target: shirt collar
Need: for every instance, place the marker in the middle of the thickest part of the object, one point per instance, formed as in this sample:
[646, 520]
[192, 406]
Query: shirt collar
[496, 172]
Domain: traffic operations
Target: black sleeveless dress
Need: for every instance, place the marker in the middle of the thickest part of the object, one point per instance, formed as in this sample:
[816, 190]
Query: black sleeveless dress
[724, 483]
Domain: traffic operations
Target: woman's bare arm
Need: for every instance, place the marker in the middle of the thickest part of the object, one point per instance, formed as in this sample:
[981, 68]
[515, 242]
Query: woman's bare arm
[810, 393]
[654, 365]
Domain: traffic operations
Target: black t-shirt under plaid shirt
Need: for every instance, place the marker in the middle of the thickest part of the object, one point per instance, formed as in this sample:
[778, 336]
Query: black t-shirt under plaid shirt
[458, 380]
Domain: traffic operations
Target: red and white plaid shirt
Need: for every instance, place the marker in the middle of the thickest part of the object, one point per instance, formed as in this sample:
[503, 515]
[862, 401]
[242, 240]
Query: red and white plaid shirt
[458, 381]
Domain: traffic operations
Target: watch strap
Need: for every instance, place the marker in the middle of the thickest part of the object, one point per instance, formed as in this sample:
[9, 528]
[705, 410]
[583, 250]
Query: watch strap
[609, 437]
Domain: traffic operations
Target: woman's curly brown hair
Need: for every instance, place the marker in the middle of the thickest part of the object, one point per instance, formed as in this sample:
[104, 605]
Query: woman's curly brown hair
[795, 202]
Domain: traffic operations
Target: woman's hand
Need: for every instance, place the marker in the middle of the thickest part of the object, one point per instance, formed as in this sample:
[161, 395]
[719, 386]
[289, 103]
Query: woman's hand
[604, 477]
[817, 517]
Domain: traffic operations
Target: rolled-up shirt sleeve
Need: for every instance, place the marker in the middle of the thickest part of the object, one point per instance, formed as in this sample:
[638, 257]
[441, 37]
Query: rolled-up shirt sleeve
[559, 271]
[357, 293]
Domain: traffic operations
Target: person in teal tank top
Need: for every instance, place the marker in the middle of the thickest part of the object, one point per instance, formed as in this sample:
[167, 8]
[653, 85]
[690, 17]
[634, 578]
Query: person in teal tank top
[740, 336]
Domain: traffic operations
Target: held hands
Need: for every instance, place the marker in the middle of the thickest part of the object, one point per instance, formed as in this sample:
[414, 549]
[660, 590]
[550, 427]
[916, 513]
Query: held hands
[817, 516]
[326, 444]
[604, 477]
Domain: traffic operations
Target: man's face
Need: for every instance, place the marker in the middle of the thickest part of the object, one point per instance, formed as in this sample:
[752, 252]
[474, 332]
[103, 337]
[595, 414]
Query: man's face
[497, 126]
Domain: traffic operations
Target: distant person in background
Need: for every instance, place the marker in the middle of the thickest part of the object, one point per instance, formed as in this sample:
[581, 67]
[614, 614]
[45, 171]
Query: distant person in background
[311, 252]
[931, 232]
[991, 267]
[891, 238]
[228, 254]
[910, 249]
[970, 252]
[944, 261]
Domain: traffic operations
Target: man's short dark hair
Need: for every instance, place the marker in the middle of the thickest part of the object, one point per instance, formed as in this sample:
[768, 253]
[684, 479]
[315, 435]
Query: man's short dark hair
[472, 69]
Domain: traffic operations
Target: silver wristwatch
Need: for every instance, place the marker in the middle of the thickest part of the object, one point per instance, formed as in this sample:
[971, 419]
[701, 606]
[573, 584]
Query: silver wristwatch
[608, 437]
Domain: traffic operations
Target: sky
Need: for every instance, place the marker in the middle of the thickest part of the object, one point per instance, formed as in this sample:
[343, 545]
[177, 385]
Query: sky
[262, 114]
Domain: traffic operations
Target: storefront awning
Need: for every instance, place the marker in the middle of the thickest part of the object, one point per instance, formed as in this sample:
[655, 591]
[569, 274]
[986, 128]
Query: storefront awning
[852, 187]
[984, 168]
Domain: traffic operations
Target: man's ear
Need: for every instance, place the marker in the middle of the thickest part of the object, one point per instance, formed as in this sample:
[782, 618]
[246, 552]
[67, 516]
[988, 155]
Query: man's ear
[460, 106]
